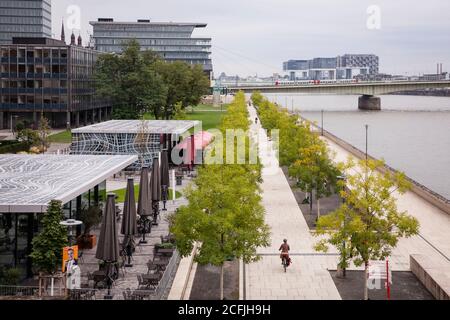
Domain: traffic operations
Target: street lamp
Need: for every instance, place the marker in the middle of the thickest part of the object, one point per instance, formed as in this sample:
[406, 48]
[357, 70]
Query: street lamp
[322, 122]
[367, 133]
[70, 223]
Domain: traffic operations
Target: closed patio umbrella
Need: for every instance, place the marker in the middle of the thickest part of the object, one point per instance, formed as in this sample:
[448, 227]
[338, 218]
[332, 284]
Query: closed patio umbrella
[144, 208]
[164, 177]
[108, 242]
[129, 225]
[155, 186]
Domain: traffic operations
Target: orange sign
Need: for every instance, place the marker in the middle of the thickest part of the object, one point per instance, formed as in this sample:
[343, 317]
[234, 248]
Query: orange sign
[68, 256]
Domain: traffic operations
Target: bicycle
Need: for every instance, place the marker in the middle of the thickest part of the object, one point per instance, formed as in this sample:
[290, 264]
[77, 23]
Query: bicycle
[284, 262]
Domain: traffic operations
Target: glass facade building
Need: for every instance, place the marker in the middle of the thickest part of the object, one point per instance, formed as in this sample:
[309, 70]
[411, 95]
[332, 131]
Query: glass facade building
[25, 18]
[46, 76]
[172, 41]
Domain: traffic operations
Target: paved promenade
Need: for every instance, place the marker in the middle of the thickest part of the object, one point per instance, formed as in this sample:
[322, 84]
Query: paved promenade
[434, 226]
[307, 277]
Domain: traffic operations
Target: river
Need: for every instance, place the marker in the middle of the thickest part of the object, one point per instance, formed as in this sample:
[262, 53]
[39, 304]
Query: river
[411, 133]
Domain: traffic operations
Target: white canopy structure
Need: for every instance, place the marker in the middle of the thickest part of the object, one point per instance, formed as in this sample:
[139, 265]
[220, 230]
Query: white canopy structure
[29, 182]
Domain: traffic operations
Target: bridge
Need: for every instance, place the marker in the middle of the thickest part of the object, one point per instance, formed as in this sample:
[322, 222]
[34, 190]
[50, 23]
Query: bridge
[368, 90]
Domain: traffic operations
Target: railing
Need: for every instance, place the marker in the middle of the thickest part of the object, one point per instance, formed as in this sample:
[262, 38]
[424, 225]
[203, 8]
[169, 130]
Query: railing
[18, 291]
[164, 282]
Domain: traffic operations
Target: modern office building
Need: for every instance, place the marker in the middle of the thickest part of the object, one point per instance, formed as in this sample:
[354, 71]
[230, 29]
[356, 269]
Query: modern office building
[25, 18]
[28, 184]
[351, 65]
[130, 137]
[47, 76]
[172, 41]
[347, 66]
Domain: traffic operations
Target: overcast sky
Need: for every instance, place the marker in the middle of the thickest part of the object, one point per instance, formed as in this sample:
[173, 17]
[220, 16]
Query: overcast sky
[256, 36]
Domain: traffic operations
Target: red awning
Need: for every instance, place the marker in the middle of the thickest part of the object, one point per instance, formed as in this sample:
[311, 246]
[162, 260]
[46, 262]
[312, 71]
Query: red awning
[201, 140]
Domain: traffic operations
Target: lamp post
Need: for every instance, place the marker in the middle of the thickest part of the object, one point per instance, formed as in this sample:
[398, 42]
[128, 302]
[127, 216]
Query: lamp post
[322, 121]
[70, 223]
[343, 178]
[367, 133]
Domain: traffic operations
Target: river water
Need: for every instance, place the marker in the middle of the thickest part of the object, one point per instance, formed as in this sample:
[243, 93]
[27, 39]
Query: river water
[412, 133]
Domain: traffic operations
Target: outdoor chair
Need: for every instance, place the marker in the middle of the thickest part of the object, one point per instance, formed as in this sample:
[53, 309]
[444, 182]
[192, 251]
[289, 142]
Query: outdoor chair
[151, 268]
[141, 283]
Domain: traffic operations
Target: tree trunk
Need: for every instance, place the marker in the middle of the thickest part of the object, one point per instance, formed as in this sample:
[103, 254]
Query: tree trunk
[366, 290]
[221, 282]
[310, 202]
[318, 209]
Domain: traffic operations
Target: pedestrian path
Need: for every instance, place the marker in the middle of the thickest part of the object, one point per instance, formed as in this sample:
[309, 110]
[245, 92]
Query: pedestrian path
[434, 238]
[307, 277]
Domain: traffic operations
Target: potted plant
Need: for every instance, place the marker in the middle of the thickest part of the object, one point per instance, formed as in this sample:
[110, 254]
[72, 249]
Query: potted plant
[91, 217]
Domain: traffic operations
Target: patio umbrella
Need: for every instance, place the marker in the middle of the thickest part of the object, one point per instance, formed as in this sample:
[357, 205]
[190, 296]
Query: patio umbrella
[164, 177]
[108, 242]
[129, 225]
[144, 208]
[155, 186]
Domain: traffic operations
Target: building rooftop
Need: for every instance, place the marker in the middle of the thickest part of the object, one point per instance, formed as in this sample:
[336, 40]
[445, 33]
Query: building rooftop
[135, 126]
[147, 21]
[29, 182]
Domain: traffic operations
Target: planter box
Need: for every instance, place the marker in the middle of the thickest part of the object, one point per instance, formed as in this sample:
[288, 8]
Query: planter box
[87, 242]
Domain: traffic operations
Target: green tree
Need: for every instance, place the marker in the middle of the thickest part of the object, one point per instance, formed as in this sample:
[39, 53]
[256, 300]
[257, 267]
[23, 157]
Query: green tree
[257, 98]
[185, 84]
[179, 112]
[315, 171]
[224, 212]
[368, 225]
[44, 132]
[130, 80]
[224, 215]
[31, 137]
[49, 243]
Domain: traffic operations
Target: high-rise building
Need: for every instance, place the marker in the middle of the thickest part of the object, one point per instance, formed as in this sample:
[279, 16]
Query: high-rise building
[172, 41]
[47, 76]
[25, 18]
[347, 66]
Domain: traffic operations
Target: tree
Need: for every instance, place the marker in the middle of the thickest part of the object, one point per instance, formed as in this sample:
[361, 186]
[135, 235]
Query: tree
[179, 112]
[49, 243]
[368, 225]
[29, 136]
[257, 98]
[44, 131]
[224, 212]
[130, 80]
[186, 84]
[224, 215]
[314, 170]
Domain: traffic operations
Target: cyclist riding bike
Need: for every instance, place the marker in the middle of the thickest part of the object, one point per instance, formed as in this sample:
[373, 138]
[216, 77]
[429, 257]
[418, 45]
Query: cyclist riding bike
[284, 248]
[256, 120]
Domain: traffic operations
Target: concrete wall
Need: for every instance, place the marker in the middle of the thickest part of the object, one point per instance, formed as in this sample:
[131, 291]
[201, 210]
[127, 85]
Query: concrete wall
[435, 277]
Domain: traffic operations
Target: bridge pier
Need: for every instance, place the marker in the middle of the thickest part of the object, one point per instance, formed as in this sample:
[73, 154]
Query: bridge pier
[367, 102]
